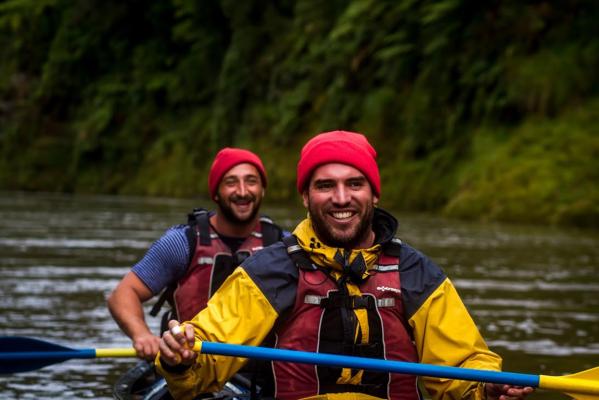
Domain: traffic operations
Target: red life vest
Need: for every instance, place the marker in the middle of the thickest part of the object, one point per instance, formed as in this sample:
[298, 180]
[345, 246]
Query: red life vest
[322, 320]
[212, 262]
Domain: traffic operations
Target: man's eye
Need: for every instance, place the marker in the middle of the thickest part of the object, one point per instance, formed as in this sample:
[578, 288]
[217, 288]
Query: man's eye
[323, 186]
[356, 184]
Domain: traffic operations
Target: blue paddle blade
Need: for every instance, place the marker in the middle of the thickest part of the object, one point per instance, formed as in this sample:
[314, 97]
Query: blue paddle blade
[22, 354]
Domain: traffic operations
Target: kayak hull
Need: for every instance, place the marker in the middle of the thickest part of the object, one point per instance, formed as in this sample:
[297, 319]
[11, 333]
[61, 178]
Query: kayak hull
[141, 382]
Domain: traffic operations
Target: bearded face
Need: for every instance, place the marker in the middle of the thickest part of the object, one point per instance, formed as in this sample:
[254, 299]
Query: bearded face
[348, 236]
[239, 209]
[341, 205]
[240, 194]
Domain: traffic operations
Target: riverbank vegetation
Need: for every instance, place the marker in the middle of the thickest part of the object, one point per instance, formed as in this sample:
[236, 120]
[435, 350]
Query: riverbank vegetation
[483, 110]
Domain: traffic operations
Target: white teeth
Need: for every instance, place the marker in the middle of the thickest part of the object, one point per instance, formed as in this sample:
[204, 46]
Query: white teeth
[342, 215]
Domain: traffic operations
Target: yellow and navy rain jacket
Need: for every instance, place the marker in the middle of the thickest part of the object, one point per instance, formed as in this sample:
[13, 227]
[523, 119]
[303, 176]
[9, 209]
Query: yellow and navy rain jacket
[259, 293]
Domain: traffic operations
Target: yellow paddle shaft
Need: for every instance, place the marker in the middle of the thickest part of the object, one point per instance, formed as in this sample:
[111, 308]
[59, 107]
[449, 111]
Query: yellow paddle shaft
[122, 352]
[582, 383]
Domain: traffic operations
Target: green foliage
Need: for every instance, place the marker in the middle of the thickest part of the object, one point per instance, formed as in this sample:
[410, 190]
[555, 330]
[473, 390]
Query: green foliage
[550, 80]
[136, 97]
[545, 172]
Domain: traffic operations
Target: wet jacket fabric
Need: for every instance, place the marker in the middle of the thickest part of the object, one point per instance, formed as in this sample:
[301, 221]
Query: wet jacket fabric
[262, 292]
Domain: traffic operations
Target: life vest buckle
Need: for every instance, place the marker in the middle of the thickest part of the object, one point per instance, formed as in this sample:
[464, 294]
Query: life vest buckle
[371, 350]
[336, 300]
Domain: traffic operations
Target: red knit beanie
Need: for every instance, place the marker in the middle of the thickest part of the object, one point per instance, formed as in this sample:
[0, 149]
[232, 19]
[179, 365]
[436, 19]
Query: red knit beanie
[226, 159]
[339, 147]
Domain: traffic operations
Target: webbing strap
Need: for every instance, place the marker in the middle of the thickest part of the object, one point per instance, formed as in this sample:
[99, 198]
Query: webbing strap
[271, 233]
[204, 229]
[297, 254]
[386, 268]
[318, 300]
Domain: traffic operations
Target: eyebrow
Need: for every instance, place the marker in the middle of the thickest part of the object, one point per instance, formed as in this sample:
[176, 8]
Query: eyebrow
[350, 179]
[357, 179]
[236, 177]
[318, 181]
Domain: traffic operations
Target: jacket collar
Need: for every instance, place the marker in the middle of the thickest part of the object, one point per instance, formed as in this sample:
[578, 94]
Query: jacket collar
[357, 262]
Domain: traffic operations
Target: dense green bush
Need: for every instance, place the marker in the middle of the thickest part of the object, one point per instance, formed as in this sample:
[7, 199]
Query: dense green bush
[459, 96]
[545, 170]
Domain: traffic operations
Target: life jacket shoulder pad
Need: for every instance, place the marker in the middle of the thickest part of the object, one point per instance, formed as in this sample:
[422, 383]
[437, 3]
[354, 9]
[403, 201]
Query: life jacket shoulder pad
[297, 254]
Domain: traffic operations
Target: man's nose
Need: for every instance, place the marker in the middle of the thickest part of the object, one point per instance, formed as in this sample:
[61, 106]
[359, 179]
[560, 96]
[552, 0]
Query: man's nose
[242, 189]
[341, 196]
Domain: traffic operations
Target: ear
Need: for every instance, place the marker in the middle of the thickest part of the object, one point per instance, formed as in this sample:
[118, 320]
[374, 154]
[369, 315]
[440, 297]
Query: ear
[375, 200]
[305, 198]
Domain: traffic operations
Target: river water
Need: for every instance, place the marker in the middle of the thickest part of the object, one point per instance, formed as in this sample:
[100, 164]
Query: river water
[533, 291]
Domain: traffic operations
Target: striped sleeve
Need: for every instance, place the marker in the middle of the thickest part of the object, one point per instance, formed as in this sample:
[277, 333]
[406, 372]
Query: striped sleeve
[166, 260]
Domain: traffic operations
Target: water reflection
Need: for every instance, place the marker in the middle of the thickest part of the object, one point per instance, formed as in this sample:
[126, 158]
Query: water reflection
[533, 291]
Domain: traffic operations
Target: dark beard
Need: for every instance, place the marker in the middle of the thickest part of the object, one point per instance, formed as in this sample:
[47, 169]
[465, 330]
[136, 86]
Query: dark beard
[326, 236]
[230, 216]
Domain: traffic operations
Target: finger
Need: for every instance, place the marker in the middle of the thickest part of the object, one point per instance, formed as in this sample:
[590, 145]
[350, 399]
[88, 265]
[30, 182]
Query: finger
[190, 336]
[149, 352]
[516, 393]
[144, 350]
[173, 338]
[172, 322]
[180, 335]
[154, 347]
[169, 348]
[139, 349]
[172, 325]
[174, 347]
[167, 354]
[176, 330]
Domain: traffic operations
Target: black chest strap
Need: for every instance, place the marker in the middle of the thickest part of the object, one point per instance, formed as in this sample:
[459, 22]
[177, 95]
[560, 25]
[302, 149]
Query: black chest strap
[271, 233]
[297, 254]
[392, 247]
[199, 222]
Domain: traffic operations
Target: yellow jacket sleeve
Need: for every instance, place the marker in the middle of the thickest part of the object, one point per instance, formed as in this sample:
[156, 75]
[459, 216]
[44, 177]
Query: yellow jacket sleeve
[238, 313]
[445, 334]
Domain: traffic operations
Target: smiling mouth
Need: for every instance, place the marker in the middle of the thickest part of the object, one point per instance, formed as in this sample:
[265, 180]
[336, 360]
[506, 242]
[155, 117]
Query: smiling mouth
[342, 214]
[242, 202]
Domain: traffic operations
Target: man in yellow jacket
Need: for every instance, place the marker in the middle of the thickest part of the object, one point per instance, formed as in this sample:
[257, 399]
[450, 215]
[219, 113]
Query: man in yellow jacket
[341, 284]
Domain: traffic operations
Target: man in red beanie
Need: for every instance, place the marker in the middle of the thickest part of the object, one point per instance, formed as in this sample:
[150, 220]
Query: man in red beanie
[189, 262]
[341, 284]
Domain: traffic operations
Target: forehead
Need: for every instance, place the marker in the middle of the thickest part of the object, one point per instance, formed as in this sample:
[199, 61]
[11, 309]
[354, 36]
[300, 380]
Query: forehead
[242, 170]
[336, 171]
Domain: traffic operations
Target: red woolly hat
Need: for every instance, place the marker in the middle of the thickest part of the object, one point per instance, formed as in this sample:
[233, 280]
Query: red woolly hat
[226, 159]
[342, 147]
